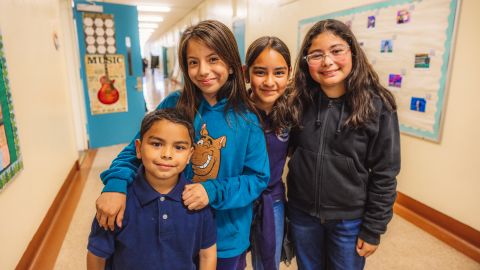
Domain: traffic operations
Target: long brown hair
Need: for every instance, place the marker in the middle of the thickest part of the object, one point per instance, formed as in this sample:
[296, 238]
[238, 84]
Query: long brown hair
[220, 39]
[282, 115]
[362, 83]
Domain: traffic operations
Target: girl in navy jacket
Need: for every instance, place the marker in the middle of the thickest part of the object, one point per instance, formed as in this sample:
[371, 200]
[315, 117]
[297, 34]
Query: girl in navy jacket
[342, 174]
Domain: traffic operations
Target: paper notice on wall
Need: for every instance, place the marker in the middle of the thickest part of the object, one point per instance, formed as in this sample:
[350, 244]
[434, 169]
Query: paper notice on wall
[106, 83]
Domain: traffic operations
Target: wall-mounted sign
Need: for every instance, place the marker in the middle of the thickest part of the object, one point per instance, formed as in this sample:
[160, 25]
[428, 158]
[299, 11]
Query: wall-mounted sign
[106, 83]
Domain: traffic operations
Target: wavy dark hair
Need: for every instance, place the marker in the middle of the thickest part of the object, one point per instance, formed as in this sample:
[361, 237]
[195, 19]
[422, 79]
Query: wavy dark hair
[362, 84]
[282, 115]
[220, 39]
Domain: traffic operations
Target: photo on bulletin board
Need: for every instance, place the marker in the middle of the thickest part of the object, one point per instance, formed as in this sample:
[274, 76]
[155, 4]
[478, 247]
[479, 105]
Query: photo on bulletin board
[10, 158]
[409, 44]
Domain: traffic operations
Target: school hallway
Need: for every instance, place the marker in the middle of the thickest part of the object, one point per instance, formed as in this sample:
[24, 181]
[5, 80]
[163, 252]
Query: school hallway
[404, 246]
[73, 92]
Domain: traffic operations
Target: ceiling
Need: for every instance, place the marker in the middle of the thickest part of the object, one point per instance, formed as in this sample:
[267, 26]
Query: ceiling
[179, 9]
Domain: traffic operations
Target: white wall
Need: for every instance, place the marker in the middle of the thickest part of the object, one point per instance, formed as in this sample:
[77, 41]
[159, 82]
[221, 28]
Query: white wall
[43, 110]
[443, 175]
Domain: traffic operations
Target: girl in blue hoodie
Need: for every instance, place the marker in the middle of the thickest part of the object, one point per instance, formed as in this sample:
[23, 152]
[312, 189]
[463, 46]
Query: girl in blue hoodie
[229, 165]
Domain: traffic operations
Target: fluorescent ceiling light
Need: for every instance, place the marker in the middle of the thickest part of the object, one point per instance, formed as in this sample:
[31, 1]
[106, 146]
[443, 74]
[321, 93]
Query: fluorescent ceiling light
[148, 25]
[153, 8]
[146, 18]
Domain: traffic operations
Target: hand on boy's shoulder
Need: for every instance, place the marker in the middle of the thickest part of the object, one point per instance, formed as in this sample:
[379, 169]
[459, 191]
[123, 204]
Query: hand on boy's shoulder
[110, 209]
[195, 197]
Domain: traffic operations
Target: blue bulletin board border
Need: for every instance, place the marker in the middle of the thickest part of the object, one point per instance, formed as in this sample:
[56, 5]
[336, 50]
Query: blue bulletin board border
[448, 45]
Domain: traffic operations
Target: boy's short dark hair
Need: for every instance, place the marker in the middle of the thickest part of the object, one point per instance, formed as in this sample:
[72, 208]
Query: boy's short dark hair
[173, 115]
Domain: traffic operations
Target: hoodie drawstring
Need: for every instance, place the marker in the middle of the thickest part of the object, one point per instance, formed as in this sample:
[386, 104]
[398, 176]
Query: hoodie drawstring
[318, 122]
[339, 124]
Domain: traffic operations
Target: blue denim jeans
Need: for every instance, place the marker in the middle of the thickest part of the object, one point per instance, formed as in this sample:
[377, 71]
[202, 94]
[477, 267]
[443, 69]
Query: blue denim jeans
[331, 245]
[279, 214]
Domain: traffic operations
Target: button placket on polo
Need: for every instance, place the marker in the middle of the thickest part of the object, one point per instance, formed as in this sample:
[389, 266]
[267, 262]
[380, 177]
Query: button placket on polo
[164, 222]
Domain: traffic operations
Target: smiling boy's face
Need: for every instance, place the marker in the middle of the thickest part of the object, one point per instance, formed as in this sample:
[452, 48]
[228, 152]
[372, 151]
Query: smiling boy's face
[165, 150]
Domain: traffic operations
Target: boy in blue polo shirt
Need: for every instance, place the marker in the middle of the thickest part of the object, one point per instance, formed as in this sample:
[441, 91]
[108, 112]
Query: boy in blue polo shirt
[158, 231]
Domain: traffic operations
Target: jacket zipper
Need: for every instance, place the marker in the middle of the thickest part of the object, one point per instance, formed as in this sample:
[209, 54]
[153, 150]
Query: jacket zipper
[318, 190]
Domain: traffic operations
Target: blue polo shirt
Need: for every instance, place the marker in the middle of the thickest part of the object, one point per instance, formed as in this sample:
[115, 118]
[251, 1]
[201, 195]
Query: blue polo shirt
[158, 231]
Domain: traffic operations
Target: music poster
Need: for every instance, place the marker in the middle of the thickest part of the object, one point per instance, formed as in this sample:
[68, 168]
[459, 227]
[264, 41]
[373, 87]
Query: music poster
[106, 82]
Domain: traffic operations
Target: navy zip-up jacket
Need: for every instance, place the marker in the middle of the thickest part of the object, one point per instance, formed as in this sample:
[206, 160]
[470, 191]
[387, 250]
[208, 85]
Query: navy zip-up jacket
[341, 172]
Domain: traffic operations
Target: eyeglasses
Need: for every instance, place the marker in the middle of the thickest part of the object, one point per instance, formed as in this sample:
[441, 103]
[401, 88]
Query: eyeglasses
[336, 54]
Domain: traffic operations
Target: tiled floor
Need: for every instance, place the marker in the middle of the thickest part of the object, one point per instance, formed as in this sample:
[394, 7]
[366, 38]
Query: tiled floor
[404, 247]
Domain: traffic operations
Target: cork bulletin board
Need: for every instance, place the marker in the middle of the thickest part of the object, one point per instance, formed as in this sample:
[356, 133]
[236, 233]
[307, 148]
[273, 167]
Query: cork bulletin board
[410, 45]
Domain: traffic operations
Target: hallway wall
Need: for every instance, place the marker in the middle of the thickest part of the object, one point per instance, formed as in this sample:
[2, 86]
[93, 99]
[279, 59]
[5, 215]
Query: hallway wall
[442, 176]
[43, 109]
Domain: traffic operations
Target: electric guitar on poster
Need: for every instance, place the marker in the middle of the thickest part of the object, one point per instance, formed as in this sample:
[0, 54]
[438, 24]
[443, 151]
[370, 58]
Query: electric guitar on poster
[107, 94]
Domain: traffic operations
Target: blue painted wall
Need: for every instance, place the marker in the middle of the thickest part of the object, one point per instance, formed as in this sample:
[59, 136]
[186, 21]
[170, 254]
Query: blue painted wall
[116, 128]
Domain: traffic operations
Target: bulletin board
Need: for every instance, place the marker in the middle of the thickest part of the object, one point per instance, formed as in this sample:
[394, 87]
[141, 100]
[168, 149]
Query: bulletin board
[10, 158]
[410, 44]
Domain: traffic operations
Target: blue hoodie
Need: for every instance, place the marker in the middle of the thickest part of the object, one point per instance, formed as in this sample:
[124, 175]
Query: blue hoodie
[230, 156]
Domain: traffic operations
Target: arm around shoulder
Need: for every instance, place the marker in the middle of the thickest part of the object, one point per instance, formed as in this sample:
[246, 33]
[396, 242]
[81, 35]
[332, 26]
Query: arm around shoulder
[123, 169]
[111, 203]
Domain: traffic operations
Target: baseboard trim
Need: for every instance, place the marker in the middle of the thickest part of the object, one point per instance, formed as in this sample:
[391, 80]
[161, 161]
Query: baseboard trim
[451, 231]
[43, 249]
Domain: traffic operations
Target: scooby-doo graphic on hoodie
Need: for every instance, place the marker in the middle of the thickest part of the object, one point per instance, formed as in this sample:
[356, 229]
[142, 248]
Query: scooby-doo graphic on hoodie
[206, 157]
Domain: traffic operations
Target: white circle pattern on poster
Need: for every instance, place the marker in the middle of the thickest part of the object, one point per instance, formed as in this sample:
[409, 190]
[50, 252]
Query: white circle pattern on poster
[98, 22]
[95, 39]
[100, 31]
[91, 49]
[101, 49]
[110, 41]
[90, 40]
[100, 40]
[110, 32]
[108, 22]
[88, 21]
[89, 31]
[111, 49]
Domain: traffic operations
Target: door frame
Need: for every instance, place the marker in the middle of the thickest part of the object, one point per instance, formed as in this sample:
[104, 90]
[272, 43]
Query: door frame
[69, 43]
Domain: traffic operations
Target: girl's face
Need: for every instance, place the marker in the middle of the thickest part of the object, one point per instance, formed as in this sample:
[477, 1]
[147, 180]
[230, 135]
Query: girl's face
[206, 69]
[268, 78]
[331, 62]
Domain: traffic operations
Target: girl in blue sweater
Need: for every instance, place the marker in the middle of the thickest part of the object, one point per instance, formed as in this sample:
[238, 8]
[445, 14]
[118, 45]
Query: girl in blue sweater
[229, 164]
[267, 69]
